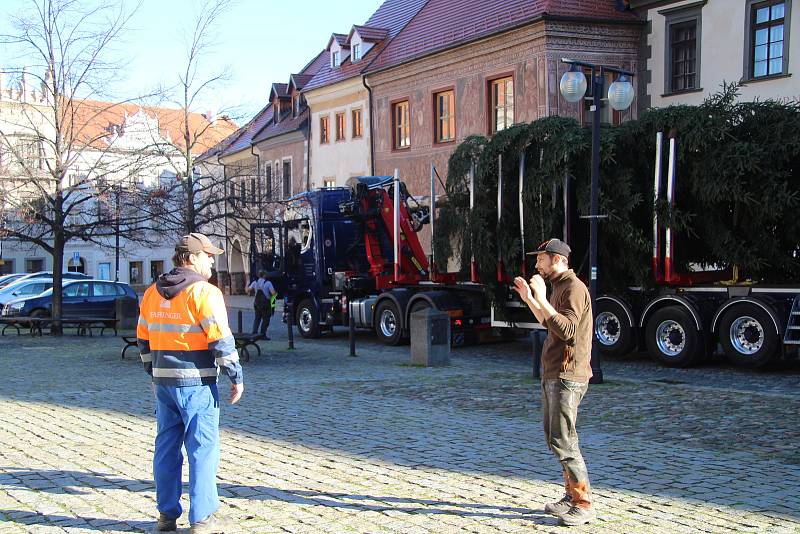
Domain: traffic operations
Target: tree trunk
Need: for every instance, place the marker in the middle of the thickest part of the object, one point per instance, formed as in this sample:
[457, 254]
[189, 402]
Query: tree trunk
[58, 280]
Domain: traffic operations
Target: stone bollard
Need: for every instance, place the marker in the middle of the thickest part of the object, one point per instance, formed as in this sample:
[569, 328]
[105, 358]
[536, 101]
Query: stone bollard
[430, 338]
[127, 311]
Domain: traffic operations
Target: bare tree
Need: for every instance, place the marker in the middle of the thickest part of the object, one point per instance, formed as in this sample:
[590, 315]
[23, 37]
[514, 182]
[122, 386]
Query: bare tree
[62, 177]
[197, 201]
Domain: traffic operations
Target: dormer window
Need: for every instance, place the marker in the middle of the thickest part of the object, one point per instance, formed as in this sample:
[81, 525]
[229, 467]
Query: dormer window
[336, 58]
[356, 52]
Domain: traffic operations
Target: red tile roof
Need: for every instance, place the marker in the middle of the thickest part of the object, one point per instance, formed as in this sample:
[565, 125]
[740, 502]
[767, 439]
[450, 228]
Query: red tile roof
[444, 23]
[392, 16]
[340, 38]
[248, 131]
[280, 89]
[94, 123]
[369, 33]
[262, 122]
[298, 81]
[286, 125]
[315, 64]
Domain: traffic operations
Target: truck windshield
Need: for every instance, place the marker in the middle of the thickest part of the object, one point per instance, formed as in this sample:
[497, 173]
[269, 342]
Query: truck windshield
[298, 218]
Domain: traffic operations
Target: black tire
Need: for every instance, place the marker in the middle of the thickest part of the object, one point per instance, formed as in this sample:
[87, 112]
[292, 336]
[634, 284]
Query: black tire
[244, 354]
[672, 337]
[307, 319]
[39, 313]
[612, 330]
[387, 323]
[748, 336]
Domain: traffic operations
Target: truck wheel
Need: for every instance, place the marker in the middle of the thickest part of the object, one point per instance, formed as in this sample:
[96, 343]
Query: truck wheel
[612, 329]
[306, 319]
[672, 337]
[747, 335]
[387, 323]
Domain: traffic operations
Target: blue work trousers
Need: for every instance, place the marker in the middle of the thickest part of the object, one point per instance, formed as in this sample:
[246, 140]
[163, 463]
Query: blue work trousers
[187, 416]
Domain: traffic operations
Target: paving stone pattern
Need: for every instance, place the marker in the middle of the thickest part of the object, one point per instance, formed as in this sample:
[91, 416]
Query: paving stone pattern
[322, 442]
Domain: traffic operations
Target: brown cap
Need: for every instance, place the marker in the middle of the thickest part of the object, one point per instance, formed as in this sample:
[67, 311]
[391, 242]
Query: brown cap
[553, 246]
[194, 243]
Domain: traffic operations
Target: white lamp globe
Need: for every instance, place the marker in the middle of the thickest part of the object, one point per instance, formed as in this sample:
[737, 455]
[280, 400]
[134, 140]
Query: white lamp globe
[573, 85]
[620, 93]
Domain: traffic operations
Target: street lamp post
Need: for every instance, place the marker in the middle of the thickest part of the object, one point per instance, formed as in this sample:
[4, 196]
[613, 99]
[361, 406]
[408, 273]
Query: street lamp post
[620, 96]
[116, 233]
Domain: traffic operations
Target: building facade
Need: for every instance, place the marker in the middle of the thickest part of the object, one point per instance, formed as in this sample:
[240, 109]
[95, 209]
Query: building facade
[480, 78]
[341, 101]
[693, 47]
[119, 149]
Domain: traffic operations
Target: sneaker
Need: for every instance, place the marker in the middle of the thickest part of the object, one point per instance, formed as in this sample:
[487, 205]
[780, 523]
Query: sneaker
[559, 507]
[166, 524]
[576, 516]
[211, 525]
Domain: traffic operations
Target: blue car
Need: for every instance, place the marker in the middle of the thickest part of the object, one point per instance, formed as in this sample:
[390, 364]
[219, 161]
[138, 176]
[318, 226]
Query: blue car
[80, 298]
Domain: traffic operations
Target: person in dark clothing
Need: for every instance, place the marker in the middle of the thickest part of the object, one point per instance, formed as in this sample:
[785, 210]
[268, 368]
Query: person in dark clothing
[566, 369]
[264, 302]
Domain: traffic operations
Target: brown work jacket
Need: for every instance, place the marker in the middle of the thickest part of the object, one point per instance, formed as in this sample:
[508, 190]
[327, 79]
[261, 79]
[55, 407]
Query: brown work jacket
[568, 347]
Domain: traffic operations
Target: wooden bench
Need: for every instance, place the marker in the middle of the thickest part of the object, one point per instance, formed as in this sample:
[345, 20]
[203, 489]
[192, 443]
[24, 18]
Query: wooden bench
[36, 325]
[33, 324]
[129, 342]
[243, 341]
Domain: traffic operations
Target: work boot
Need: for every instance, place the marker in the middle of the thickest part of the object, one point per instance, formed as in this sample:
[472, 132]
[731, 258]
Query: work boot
[575, 516]
[559, 507]
[212, 524]
[166, 524]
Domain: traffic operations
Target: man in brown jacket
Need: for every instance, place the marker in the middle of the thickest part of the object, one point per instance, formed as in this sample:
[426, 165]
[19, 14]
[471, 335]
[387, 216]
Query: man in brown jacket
[565, 369]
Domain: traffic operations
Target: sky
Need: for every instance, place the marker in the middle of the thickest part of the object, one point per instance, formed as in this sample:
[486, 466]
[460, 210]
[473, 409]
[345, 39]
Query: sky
[259, 41]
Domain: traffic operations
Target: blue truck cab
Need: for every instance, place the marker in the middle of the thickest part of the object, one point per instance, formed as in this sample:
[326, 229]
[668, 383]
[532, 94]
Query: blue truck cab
[319, 242]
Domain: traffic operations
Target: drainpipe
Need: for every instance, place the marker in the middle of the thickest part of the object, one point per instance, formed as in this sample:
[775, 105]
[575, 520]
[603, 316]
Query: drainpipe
[371, 136]
[259, 209]
[227, 241]
[308, 151]
[258, 174]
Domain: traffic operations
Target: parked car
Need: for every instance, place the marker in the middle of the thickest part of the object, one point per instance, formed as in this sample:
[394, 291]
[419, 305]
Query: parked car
[9, 278]
[80, 298]
[28, 287]
[15, 277]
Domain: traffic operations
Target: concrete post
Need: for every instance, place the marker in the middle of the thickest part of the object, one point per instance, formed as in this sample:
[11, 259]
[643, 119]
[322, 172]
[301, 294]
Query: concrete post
[430, 338]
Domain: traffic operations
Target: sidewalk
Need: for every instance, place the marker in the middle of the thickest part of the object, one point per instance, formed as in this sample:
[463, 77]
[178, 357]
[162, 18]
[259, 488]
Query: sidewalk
[243, 302]
[322, 442]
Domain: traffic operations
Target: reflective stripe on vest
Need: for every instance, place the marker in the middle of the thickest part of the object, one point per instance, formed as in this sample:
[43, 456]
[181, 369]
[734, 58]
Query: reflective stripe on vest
[175, 328]
[184, 373]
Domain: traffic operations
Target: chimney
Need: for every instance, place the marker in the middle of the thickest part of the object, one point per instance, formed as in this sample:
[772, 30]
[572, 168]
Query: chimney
[210, 115]
[23, 88]
[46, 84]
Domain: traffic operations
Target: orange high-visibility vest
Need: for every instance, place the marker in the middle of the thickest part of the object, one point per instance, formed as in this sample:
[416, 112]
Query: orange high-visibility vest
[186, 339]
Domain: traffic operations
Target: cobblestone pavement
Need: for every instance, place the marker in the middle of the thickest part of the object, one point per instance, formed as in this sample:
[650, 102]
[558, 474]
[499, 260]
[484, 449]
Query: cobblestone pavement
[322, 442]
